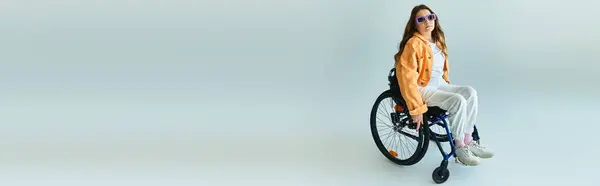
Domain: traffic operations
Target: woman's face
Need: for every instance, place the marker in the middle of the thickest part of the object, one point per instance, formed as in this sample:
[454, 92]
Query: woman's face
[425, 21]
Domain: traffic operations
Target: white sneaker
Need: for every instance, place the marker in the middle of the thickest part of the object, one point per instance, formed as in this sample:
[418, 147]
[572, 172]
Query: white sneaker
[466, 157]
[480, 150]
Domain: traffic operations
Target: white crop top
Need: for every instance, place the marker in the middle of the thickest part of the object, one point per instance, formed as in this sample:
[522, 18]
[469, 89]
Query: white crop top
[437, 68]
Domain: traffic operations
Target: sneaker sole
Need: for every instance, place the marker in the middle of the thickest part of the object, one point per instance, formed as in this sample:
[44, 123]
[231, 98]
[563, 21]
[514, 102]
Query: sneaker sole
[465, 164]
[484, 156]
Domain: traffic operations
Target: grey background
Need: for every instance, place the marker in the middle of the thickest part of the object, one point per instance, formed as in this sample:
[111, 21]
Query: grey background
[279, 92]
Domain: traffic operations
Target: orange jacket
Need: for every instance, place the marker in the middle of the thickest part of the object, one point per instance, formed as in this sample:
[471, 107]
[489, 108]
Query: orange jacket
[412, 70]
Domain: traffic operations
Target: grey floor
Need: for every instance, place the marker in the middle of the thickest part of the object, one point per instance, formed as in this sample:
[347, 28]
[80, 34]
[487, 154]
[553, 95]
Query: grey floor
[178, 141]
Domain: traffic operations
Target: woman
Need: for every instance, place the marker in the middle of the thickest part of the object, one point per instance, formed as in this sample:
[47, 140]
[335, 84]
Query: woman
[422, 72]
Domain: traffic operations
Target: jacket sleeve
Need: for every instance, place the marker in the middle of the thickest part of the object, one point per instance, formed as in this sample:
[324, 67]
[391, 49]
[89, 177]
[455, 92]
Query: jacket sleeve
[407, 75]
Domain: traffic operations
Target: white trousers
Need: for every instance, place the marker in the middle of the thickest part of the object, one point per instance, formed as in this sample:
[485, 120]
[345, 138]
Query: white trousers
[460, 102]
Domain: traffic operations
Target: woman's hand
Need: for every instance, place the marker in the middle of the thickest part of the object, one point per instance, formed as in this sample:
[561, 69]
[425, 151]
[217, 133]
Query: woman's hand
[418, 119]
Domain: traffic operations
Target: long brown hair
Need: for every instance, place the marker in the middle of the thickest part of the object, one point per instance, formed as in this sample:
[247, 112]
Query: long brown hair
[437, 34]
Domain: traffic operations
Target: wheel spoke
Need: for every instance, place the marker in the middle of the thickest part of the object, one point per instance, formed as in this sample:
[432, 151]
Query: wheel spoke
[416, 138]
[390, 140]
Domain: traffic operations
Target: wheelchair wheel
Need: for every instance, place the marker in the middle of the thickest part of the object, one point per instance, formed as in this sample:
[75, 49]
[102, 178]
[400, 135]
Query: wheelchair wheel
[437, 131]
[393, 131]
[440, 175]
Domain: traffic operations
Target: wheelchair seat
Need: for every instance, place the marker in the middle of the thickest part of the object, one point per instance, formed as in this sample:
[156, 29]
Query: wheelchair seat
[435, 111]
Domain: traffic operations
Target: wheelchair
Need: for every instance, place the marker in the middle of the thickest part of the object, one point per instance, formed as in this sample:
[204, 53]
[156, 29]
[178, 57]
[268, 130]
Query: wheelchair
[401, 123]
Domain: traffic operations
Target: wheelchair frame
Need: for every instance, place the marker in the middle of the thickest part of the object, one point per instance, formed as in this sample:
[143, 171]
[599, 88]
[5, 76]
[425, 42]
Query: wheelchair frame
[434, 116]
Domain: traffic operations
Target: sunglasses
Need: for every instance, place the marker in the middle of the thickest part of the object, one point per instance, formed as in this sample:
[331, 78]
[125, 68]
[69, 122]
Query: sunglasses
[430, 17]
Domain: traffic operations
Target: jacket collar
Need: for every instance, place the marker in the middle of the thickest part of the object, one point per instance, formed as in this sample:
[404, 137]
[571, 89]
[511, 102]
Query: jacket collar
[417, 35]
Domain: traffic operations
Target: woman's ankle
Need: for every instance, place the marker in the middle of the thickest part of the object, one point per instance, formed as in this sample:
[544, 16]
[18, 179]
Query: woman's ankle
[459, 143]
[468, 139]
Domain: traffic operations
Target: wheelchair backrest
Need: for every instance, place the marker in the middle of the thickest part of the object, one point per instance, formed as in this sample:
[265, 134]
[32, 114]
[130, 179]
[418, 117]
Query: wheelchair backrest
[393, 81]
[395, 89]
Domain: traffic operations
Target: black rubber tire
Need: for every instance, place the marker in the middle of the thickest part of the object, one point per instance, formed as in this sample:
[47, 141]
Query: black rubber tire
[440, 175]
[423, 139]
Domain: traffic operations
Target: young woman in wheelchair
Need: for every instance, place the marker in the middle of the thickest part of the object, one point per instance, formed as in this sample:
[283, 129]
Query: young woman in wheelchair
[422, 73]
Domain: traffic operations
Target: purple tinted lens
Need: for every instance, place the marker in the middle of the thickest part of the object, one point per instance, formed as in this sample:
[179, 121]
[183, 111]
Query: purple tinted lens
[431, 17]
[422, 19]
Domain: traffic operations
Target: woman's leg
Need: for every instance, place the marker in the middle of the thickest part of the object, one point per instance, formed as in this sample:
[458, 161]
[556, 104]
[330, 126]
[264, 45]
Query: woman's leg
[459, 125]
[470, 95]
[456, 105]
